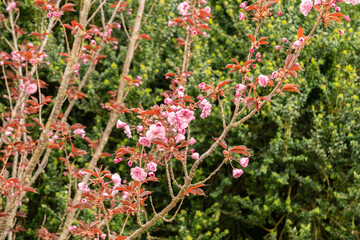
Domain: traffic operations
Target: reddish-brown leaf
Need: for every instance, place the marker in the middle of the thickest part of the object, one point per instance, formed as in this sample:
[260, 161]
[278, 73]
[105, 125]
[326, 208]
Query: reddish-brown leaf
[196, 190]
[337, 15]
[295, 68]
[145, 36]
[222, 143]
[290, 88]
[251, 37]
[223, 83]
[300, 32]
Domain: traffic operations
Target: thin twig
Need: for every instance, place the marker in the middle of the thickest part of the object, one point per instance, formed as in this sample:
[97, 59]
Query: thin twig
[123, 22]
[93, 15]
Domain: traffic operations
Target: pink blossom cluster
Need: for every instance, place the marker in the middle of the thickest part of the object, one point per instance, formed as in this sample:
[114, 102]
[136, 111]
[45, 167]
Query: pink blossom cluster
[54, 137]
[116, 179]
[240, 90]
[263, 80]
[201, 15]
[80, 132]
[306, 6]
[184, 8]
[31, 89]
[206, 106]
[84, 187]
[238, 172]
[37, 58]
[55, 14]
[138, 174]
[152, 168]
[127, 130]
[156, 131]
[40, 57]
[8, 131]
[11, 6]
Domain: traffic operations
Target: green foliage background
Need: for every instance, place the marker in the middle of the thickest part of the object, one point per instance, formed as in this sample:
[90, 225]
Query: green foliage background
[304, 176]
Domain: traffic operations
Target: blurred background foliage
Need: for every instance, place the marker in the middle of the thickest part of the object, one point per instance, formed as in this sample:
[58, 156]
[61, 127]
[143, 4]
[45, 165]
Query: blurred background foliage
[304, 176]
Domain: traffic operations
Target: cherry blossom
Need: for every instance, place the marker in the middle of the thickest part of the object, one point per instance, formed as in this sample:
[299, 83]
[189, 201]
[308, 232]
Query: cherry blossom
[138, 174]
[263, 80]
[237, 172]
[152, 167]
[31, 89]
[306, 6]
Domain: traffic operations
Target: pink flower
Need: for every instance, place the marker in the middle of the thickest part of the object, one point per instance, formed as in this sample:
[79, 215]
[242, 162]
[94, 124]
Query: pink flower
[347, 18]
[72, 228]
[120, 124]
[145, 142]
[243, 5]
[93, 42]
[125, 195]
[306, 6]
[206, 110]
[83, 187]
[244, 162]
[280, 13]
[179, 137]
[207, 9]
[84, 200]
[130, 163]
[117, 160]
[139, 128]
[263, 80]
[138, 174]
[11, 6]
[170, 23]
[251, 50]
[116, 179]
[79, 131]
[202, 86]
[274, 74]
[31, 89]
[155, 131]
[183, 8]
[337, 9]
[284, 40]
[168, 101]
[192, 141]
[185, 115]
[152, 167]
[317, 2]
[103, 236]
[237, 172]
[277, 47]
[341, 32]
[296, 44]
[151, 174]
[240, 87]
[127, 131]
[241, 16]
[195, 156]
